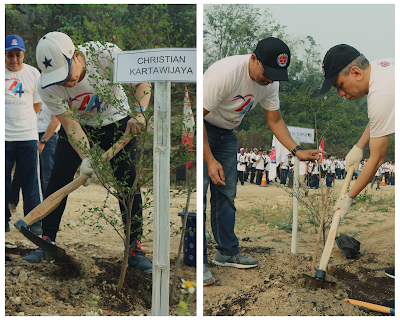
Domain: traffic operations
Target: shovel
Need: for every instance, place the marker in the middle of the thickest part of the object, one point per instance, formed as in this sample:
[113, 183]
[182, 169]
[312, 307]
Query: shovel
[54, 200]
[321, 272]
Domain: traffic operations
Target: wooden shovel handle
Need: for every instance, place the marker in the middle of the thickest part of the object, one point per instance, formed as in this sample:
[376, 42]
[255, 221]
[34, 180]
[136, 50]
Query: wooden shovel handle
[54, 200]
[321, 226]
[371, 306]
[335, 223]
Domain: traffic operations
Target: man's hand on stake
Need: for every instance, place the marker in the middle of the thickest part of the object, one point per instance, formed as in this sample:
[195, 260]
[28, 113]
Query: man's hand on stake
[86, 168]
[216, 172]
[308, 154]
[354, 157]
[133, 127]
[344, 204]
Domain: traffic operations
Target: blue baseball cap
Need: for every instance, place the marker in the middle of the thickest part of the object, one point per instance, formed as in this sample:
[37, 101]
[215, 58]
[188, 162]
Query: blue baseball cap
[14, 42]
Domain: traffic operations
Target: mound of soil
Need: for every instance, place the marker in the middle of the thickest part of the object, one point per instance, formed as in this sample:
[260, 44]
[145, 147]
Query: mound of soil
[95, 260]
[278, 286]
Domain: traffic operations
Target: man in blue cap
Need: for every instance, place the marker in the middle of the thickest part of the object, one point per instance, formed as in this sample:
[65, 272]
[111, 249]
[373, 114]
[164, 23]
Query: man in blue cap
[22, 103]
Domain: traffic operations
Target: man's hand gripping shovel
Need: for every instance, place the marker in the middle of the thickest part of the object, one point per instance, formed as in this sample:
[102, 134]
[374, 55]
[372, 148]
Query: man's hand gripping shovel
[321, 272]
[53, 201]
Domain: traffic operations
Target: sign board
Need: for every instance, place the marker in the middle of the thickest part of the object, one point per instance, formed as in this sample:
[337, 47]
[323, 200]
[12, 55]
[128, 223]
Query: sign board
[306, 135]
[153, 65]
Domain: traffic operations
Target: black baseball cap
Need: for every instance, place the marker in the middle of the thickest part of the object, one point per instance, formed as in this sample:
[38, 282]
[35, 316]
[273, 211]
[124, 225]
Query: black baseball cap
[274, 55]
[335, 60]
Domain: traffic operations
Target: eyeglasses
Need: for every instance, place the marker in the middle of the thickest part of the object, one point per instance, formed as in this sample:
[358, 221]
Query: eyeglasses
[262, 71]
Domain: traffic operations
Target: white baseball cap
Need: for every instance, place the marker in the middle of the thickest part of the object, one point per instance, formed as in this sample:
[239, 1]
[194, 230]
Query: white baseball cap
[53, 56]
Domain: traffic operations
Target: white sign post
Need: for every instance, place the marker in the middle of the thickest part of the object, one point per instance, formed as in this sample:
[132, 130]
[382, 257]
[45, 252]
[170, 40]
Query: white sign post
[299, 135]
[161, 66]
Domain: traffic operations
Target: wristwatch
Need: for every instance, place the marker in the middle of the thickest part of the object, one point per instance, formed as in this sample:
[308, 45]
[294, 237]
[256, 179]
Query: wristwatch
[298, 147]
[43, 140]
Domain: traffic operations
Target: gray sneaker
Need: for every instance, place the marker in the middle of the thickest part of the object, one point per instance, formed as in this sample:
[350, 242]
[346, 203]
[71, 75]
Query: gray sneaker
[238, 261]
[38, 255]
[208, 278]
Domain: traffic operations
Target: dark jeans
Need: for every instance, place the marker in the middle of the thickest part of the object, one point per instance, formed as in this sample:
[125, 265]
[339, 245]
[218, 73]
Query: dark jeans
[223, 145]
[15, 187]
[253, 174]
[329, 180]
[284, 173]
[25, 155]
[46, 159]
[259, 176]
[241, 177]
[67, 161]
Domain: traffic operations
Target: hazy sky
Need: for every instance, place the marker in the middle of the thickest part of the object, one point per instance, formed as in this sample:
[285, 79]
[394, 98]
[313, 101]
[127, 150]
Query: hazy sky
[370, 28]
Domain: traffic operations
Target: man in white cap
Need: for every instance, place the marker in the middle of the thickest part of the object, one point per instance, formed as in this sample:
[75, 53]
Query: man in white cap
[353, 76]
[233, 86]
[78, 80]
[22, 102]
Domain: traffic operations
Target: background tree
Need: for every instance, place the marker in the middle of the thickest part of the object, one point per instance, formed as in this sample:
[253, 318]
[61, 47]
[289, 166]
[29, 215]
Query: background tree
[236, 29]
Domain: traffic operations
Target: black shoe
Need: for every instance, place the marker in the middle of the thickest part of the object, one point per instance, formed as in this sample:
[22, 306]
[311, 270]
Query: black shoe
[390, 273]
[36, 229]
[137, 258]
[38, 255]
[8, 227]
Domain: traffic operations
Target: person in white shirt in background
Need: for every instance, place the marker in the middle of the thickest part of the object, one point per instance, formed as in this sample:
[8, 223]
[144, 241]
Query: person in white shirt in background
[241, 165]
[284, 169]
[22, 102]
[253, 164]
[48, 126]
[377, 178]
[267, 161]
[259, 167]
[303, 169]
[342, 170]
[247, 155]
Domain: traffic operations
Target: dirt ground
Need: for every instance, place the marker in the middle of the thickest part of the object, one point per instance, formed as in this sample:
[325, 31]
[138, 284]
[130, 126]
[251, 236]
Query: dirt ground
[60, 288]
[277, 286]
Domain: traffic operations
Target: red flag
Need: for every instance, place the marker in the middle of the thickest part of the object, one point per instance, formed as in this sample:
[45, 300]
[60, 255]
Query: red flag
[321, 147]
[188, 125]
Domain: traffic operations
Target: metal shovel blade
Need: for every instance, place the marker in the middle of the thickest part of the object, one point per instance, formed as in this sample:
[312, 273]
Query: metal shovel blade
[50, 248]
[319, 276]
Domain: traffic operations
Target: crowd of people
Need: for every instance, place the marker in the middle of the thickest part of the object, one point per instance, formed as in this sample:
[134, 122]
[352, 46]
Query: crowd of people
[251, 166]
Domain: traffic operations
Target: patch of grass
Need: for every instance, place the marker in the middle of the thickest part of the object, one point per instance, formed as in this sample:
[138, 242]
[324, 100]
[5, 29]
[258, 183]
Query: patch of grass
[287, 224]
[383, 209]
[364, 198]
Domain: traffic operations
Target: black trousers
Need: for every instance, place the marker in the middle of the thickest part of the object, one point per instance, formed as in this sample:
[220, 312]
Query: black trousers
[67, 161]
[241, 176]
[253, 174]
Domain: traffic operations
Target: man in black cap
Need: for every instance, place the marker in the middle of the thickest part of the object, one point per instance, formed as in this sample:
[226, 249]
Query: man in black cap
[353, 76]
[233, 86]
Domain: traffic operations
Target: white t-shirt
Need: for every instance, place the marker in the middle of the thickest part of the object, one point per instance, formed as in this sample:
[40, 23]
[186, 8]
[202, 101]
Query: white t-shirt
[241, 165]
[229, 92]
[260, 164]
[302, 168]
[20, 96]
[253, 159]
[44, 119]
[285, 163]
[83, 97]
[380, 98]
[267, 161]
